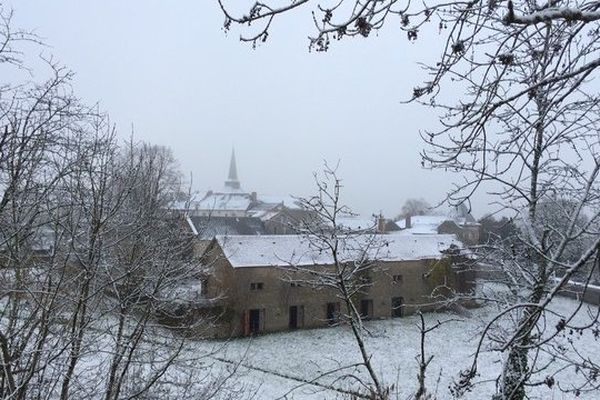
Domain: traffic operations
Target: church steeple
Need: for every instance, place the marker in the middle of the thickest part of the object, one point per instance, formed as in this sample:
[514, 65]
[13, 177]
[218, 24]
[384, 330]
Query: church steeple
[232, 181]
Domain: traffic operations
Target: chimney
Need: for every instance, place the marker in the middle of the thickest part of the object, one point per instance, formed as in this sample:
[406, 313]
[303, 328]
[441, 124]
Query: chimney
[253, 197]
[408, 222]
[380, 223]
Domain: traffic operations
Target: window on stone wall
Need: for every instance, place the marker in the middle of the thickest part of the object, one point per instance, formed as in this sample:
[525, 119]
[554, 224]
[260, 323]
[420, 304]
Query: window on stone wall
[296, 317]
[256, 286]
[333, 313]
[398, 279]
[366, 309]
[253, 321]
[397, 307]
[366, 279]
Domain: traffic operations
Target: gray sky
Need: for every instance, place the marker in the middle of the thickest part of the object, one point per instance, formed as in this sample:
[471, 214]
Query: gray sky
[168, 69]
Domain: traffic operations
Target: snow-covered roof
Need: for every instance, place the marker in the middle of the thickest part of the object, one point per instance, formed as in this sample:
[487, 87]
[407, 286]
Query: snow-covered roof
[207, 227]
[285, 250]
[357, 223]
[429, 220]
[264, 215]
[422, 224]
[224, 201]
[428, 224]
[238, 200]
[287, 201]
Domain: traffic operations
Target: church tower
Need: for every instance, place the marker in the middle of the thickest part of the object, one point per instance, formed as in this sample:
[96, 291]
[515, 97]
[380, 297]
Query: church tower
[232, 182]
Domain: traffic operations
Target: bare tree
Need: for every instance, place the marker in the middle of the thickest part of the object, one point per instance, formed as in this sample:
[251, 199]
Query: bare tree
[526, 127]
[414, 207]
[524, 106]
[11, 53]
[89, 251]
[423, 359]
[151, 255]
[39, 121]
[353, 256]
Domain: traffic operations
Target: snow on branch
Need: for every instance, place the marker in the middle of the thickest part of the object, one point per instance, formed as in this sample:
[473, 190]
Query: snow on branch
[550, 14]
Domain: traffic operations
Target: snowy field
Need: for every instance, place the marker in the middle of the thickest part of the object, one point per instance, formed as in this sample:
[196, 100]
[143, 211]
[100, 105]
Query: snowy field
[300, 364]
[307, 354]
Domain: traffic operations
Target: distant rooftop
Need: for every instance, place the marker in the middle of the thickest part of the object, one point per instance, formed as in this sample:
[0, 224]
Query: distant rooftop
[224, 201]
[207, 227]
[428, 224]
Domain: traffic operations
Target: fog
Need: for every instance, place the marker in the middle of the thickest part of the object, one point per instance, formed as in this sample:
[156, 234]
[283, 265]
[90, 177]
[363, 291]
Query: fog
[168, 72]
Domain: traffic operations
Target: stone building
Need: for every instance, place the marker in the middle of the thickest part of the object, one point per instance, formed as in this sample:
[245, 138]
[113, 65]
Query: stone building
[262, 283]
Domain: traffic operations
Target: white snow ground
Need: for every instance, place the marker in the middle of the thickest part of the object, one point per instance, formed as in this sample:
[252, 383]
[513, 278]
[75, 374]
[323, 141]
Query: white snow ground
[273, 366]
[394, 344]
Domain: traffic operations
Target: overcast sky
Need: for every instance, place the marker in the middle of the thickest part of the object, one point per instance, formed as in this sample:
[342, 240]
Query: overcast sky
[170, 70]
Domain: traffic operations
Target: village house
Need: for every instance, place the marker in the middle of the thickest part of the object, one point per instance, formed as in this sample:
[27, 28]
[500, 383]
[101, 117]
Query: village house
[457, 221]
[259, 285]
